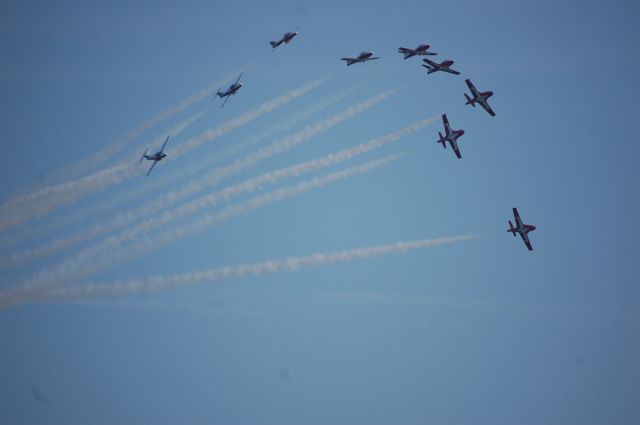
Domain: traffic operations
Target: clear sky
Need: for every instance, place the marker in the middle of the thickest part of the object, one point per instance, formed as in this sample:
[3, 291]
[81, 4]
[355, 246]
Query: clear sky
[474, 332]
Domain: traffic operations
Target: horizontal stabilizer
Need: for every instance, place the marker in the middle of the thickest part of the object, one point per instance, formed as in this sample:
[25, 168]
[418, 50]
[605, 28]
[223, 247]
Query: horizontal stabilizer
[469, 101]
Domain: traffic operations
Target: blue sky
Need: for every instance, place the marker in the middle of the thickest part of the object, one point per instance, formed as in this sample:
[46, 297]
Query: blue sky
[475, 332]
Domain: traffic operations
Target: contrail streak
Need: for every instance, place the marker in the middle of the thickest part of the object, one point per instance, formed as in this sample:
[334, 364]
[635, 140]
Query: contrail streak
[72, 191]
[154, 283]
[94, 259]
[211, 200]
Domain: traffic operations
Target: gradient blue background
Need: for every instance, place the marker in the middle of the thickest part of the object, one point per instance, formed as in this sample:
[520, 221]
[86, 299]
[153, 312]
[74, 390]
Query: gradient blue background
[478, 332]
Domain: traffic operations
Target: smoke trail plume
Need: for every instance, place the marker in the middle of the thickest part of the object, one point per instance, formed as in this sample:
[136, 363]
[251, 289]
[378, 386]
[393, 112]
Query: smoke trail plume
[70, 192]
[210, 179]
[133, 286]
[211, 200]
[49, 199]
[246, 118]
[219, 174]
[96, 259]
[159, 181]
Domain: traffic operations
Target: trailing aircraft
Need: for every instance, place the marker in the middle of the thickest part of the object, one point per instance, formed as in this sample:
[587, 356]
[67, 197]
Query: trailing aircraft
[156, 157]
[233, 89]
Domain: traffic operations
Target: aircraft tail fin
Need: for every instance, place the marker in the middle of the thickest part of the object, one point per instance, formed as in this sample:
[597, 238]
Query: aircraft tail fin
[429, 68]
[444, 145]
[273, 44]
[143, 155]
[469, 101]
[511, 228]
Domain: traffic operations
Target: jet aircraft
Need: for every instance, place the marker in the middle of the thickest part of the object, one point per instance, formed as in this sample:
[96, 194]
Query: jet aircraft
[421, 50]
[285, 39]
[450, 136]
[443, 66]
[233, 89]
[479, 97]
[521, 228]
[362, 57]
[156, 157]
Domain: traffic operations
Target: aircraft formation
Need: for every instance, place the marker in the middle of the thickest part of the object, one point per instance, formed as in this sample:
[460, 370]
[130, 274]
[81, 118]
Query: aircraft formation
[451, 136]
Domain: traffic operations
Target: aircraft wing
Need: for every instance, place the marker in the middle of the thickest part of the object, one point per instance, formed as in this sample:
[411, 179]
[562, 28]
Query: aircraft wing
[450, 71]
[487, 108]
[517, 217]
[525, 238]
[445, 121]
[238, 79]
[225, 101]
[164, 144]
[151, 168]
[455, 148]
[474, 90]
[432, 63]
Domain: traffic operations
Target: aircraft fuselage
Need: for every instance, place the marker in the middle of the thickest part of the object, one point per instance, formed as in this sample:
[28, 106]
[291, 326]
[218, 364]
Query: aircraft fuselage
[231, 91]
[158, 156]
[453, 136]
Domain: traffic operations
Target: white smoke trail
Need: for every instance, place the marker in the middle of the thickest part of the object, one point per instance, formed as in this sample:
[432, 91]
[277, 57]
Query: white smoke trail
[178, 173]
[246, 118]
[94, 259]
[219, 174]
[70, 192]
[211, 200]
[210, 179]
[154, 283]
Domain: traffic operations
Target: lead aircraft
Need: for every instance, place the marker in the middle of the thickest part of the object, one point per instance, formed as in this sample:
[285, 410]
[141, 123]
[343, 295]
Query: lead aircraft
[362, 57]
[450, 136]
[233, 89]
[479, 97]
[156, 157]
[521, 228]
